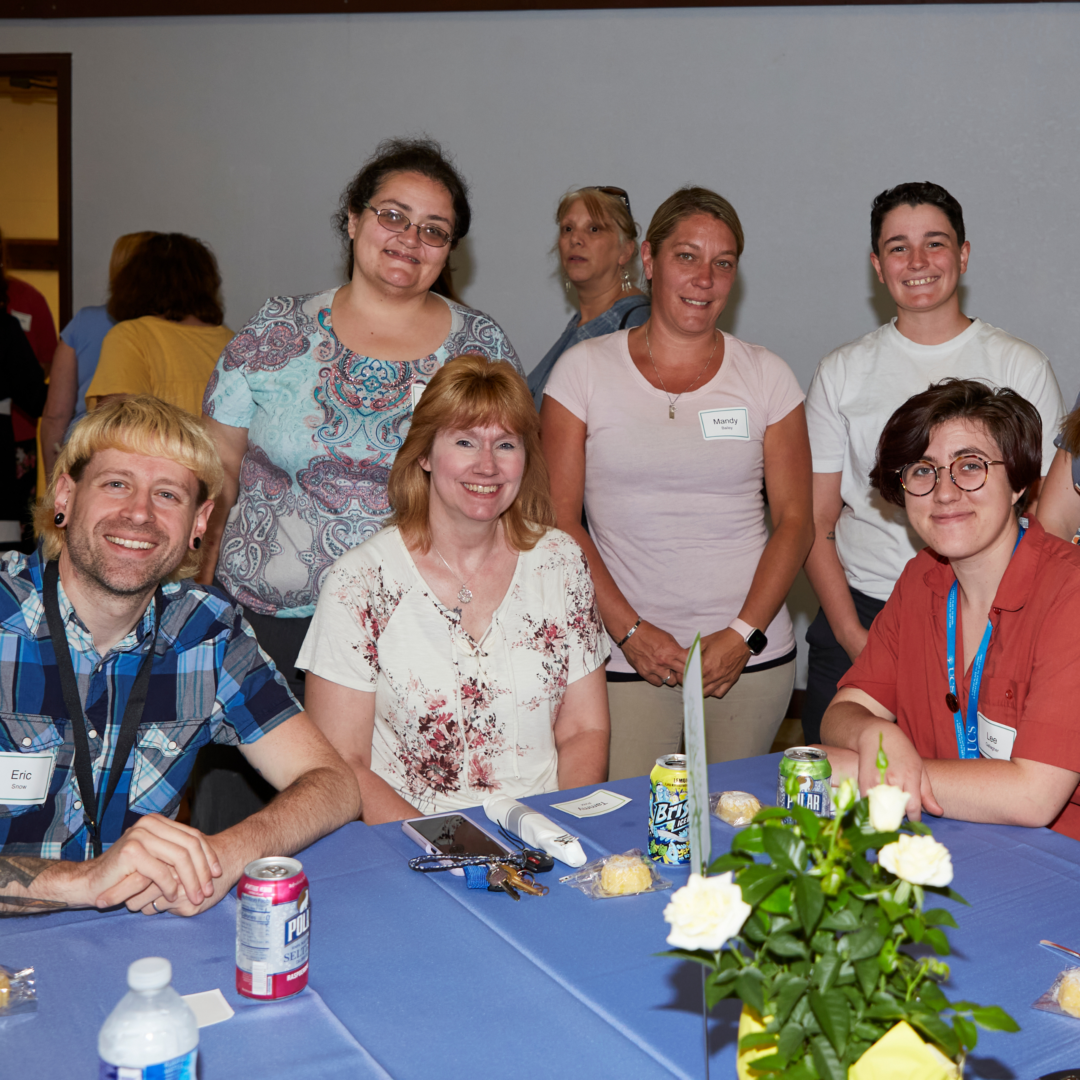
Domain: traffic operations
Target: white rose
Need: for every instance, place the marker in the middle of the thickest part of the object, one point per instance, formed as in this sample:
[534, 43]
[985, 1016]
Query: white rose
[920, 860]
[888, 805]
[845, 795]
[706, 912]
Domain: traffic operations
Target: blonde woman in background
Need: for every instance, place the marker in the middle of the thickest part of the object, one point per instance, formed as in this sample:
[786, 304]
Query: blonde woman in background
[76, 358]
[598, 254]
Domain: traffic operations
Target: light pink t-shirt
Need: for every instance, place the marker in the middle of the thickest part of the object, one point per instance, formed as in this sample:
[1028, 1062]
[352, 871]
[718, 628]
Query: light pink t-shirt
[675, 506]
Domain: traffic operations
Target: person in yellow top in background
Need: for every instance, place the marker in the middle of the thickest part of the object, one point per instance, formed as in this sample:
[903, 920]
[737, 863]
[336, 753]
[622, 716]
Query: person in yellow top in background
[170, 331]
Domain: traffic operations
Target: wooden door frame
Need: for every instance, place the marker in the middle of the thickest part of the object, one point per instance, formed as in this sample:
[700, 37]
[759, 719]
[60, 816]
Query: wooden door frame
[58, 65]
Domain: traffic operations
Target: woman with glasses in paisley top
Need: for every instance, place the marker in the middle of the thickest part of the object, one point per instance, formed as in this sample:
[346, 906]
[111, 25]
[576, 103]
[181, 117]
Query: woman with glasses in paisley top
[312, 399]
[598, 255]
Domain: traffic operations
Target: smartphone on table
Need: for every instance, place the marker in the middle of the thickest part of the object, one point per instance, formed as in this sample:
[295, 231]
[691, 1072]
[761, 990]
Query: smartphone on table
[452, 834]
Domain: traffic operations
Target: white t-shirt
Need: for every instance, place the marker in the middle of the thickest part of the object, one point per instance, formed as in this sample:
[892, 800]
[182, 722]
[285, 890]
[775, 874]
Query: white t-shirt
[675, 506]
[855, 390]
[457, 720]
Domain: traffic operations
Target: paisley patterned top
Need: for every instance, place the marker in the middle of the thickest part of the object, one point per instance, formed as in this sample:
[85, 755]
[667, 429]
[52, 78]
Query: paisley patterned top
[323, 427]
[457, 720]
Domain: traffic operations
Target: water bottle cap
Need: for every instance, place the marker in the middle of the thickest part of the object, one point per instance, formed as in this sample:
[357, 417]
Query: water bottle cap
[150, 973]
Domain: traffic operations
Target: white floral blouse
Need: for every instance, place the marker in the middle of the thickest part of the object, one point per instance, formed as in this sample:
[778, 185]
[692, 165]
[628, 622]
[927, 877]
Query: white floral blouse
[455, 719]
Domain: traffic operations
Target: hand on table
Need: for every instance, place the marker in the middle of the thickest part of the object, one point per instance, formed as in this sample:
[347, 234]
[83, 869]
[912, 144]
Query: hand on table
[723, 657]
[655, 655]
[156, 859]
[906, 770]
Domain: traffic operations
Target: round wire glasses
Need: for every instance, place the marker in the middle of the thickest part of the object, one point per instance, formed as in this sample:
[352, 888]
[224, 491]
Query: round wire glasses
[968, 473]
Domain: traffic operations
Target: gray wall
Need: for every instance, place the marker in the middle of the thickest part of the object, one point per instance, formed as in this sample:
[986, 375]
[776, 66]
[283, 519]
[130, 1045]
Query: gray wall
[243, 131]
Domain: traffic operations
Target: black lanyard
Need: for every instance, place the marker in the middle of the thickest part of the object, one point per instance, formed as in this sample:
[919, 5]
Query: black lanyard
[133, 711]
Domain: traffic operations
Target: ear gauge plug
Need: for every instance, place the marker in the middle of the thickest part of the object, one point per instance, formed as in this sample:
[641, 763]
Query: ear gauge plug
[58, 520]
[196, 543]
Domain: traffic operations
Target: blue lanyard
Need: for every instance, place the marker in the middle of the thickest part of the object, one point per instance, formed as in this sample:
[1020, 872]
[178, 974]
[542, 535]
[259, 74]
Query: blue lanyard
[967, 735]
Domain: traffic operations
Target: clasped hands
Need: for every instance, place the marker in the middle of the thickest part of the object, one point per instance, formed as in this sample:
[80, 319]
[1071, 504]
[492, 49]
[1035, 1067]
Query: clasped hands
[659, 659]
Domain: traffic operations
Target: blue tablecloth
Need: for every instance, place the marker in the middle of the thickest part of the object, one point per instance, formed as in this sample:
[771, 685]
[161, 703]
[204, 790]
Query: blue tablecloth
[416, 976]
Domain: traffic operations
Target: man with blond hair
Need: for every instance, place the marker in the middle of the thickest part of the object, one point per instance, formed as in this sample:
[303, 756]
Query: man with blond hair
[115, 667]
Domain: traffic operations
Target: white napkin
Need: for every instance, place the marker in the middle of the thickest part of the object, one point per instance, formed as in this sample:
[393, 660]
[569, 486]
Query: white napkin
[536, 830]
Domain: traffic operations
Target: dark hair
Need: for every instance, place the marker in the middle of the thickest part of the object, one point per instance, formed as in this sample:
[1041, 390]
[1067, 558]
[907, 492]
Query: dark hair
[1013, 422]
[423, 156]
[172, 276]
[914, 194]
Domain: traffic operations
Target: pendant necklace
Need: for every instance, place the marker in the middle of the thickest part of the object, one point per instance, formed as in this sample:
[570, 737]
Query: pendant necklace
[667, 393]
[465, 593]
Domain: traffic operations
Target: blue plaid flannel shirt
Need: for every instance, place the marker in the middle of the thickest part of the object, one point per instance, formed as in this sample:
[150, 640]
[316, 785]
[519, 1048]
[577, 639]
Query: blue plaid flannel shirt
[210, 682]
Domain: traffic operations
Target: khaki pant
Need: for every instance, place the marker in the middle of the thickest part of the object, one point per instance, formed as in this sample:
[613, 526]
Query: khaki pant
[647, 720]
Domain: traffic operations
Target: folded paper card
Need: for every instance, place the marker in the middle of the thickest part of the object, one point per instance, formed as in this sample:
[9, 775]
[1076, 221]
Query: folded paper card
[599, 802]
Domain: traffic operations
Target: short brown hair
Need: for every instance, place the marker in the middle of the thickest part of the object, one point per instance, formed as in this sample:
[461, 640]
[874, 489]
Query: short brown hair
[172, 276]
[470, 391]
[123, 249]
[686, 202]
[1012, 421]
[137, 425]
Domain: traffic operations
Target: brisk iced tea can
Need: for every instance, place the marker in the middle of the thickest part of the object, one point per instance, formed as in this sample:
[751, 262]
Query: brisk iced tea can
[669, 812]
[815, 780]
[273, 929]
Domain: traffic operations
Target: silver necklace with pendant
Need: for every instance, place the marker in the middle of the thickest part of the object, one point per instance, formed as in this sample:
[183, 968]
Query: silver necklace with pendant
[465, 593]
[667, 393]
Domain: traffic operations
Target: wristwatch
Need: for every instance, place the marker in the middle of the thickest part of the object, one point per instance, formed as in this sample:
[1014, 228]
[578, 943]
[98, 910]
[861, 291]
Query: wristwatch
[753, 637]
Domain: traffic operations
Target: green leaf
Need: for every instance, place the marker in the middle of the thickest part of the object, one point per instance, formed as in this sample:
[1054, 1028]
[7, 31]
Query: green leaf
[939, 917]
[771, 1065]
[937, 940]
[787, 990]
[786, 945]
[756, 1039]
[791, 1040]
[802, 1070]
[913, 925]
[809, 823]
[952, 894]
[919, 828]
[825, 971]
[844, 919]
[931, 1024]
[993, 1018]
[749, 987]
[867, 1032]
[864, 943]
[894, 912]
[749, 840]
[834, 1016]
[867, 972]
[861, 841]
[758, 881]
[729, 862]
[779, 900]
[823, 942]
[827, 1063]
[786, 848]
[931, 995]
[809, 900]
[771, 813]
[902, 893]
[966, 1032]
[756, 927]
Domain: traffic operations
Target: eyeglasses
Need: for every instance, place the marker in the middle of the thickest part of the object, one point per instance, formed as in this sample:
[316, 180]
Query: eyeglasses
[618, 193]
[968, 473]
[395, 221]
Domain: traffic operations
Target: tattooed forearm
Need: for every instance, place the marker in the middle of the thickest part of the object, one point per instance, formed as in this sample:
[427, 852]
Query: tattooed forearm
[26, 905]
[22, 869]
[830, 535]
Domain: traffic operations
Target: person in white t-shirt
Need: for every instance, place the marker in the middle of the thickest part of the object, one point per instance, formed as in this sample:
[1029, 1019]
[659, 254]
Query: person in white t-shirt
[459, 652]
[862, 543]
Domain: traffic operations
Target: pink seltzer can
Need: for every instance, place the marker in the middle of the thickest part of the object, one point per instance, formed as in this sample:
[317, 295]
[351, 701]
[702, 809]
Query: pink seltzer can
[273, 929]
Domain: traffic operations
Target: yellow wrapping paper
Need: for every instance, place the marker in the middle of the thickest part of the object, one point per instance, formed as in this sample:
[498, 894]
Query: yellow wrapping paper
[900, 1054]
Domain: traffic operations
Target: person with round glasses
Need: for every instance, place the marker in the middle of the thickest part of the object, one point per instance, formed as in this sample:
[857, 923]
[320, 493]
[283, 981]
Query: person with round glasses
[597, 248]
[310, 402]
[970, 672]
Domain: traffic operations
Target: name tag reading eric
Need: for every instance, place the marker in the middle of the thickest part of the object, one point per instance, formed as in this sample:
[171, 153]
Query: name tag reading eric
[25, 778]
[725, 423]
[995, 740]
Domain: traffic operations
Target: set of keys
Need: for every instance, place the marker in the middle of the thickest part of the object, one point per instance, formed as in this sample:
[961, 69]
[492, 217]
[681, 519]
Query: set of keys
[504, 877]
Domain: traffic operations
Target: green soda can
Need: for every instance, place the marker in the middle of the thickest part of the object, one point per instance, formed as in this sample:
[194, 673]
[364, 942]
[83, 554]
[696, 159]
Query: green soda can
[815, 784]
[669, 812]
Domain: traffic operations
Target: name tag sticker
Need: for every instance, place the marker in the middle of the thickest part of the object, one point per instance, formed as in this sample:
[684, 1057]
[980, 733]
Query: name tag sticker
[25, 778]
[417, 393]
[995, 740]
[725, 423]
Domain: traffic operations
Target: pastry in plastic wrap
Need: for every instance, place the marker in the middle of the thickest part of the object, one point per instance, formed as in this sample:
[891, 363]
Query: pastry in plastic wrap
[624, 875]
[1068, 992]
[734, 807]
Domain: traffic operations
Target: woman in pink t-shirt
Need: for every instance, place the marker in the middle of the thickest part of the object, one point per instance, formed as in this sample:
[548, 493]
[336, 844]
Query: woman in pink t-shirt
[667, 434]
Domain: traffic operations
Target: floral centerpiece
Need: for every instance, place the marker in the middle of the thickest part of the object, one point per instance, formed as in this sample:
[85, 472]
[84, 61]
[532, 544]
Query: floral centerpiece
[814, 933]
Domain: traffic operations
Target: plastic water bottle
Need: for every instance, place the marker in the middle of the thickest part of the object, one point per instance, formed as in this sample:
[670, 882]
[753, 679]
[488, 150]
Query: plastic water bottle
[152, 1033]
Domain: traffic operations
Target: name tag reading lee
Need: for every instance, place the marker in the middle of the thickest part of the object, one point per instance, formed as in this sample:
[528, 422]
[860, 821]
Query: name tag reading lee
[725, 423]
[995, 740]
[25, 778]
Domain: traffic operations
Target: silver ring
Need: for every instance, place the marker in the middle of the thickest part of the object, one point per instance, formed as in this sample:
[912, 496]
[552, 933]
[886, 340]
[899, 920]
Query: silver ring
[153, 904]
[669, 675]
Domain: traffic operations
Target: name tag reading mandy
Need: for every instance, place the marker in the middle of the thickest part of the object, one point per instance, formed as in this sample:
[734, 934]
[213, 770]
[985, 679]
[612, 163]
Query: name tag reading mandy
[995, 740]
[725, 423]
[25, 778]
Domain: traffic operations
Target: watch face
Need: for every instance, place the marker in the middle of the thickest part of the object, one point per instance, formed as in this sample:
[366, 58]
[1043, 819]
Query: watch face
[757, 642]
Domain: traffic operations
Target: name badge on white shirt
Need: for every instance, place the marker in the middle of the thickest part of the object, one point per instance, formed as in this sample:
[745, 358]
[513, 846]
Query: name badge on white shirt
[417, 393]
[25, 778]
[725, 423]
[995, 740]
